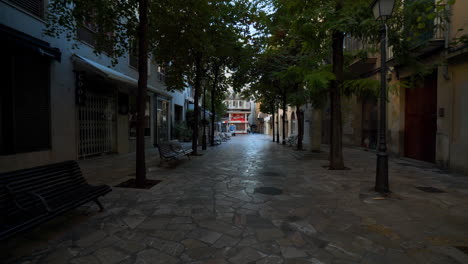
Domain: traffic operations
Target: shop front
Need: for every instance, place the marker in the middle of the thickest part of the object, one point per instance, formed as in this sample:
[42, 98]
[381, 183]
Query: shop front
[238, 123]
[107, 111]
[96, 115]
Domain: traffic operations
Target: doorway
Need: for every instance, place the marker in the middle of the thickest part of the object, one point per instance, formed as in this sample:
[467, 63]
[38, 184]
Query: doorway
[421, 119]
[163, 120]
[369, 123]
[97, 124]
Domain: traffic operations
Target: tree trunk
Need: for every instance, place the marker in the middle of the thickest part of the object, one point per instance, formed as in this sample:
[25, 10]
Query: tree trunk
[336, 148]
[273, 125]
[213, 106]
[300, 126]
[316, 130]
[140, 180]
[196, 110]
[283, 119]
[277, 126]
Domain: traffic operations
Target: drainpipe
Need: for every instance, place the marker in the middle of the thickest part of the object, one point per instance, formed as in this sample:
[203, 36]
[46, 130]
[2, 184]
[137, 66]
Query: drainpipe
[446, 44]
[447, 77]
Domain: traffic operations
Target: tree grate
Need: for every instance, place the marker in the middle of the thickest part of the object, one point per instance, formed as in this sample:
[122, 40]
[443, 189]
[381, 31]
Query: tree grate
[132, 184]
[429, 189]
[268, 190]
[462, 249]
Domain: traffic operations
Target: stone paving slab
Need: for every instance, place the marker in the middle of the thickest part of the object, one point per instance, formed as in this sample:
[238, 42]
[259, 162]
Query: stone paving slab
[207, 211]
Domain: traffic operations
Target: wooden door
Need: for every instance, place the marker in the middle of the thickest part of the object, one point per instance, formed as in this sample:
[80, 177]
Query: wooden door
[421, 120]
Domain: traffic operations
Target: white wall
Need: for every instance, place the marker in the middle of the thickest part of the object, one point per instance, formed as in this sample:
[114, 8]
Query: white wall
[63, 110]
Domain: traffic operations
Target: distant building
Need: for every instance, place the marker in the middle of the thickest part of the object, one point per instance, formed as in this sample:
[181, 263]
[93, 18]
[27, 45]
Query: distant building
[238, 115]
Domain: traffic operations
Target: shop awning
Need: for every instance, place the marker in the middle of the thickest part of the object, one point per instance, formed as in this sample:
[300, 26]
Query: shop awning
[112, 74]
[13, 39]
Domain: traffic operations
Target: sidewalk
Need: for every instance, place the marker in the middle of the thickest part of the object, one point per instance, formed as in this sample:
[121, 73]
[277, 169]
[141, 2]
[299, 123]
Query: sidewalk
[253, 201]
[114, 169]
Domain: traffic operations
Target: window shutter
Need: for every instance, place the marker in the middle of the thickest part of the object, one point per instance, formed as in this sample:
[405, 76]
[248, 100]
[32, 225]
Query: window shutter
[32, 103]
[35, 7]
[86, 35]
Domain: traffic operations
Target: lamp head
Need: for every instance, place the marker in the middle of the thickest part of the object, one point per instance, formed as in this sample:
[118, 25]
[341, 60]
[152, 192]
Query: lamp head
[382, 8]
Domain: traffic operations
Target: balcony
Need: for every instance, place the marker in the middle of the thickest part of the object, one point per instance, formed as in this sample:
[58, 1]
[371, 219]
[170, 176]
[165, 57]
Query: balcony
[359, 66]
[352, 44]
[431, 40]
[237, 105]
[426, 43]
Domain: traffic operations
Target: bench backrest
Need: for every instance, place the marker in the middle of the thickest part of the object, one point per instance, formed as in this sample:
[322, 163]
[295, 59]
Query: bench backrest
[176, 146]
[165, 149]
[49, 181]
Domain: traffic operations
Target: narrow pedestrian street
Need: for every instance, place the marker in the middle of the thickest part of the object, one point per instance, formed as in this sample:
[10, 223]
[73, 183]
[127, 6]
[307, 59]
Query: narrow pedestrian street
[250, 200]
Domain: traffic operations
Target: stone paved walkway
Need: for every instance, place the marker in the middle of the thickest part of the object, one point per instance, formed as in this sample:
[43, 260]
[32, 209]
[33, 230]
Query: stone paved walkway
[207, 211]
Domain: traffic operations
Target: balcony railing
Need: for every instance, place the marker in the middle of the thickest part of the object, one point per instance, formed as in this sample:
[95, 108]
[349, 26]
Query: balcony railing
[352, 44]
[245, 106]
[433, 38]
[390, 53]
[237, 104]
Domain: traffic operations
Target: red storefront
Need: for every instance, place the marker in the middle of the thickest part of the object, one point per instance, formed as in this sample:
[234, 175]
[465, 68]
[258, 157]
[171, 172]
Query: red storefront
[240, 121]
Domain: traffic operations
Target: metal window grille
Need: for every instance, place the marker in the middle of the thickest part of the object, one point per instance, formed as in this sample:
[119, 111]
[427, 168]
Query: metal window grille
[97, 125]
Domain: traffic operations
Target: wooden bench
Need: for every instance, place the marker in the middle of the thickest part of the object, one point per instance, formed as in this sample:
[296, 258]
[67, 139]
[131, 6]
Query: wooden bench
[30, 197]
[217, 140]
[292, 141]
[224, 137]
[172, 150]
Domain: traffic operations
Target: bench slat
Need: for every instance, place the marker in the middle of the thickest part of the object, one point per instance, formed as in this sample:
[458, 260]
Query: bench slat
[61, 185]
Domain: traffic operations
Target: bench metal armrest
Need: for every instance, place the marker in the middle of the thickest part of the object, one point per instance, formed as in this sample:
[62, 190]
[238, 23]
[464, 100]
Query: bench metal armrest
[43, 201]
[33, 194]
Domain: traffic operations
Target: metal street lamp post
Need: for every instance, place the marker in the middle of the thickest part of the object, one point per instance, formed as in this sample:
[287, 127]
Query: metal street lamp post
[382, 10]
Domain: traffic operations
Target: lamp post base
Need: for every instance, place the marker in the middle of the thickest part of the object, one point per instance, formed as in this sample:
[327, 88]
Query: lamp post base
[381, 177]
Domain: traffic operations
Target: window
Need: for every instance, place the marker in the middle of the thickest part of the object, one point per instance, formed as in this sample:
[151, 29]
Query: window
[35, 7]
[161, 73]
[133, 58]
[132, 117]
[87, 32]
[24, 101]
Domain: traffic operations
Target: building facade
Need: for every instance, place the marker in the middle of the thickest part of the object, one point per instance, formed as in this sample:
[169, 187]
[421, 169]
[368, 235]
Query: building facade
[238, 117]
[64, 103]
[291, 125]
[428, 121]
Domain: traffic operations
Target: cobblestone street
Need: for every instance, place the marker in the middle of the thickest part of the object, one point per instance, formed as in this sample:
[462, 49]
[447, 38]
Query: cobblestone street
[211, 209]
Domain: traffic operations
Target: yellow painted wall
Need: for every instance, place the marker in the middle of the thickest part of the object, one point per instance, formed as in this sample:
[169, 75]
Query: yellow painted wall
[459, 18]
[458, 155]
